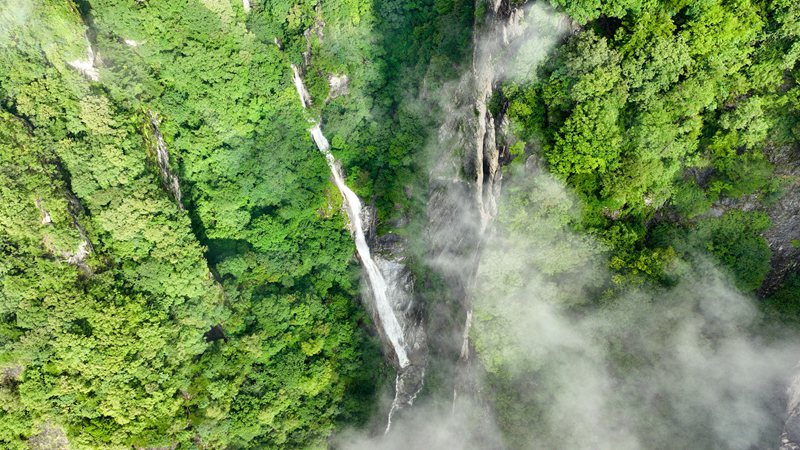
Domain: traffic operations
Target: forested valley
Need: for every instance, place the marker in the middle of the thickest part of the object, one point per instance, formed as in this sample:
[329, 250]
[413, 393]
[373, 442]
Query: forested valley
[393, 224]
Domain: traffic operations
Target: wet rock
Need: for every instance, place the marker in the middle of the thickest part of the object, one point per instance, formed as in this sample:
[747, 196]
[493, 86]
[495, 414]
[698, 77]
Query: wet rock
[159, 146]
[390, 256]
[784, 234]
[792, 429]
[790, 439]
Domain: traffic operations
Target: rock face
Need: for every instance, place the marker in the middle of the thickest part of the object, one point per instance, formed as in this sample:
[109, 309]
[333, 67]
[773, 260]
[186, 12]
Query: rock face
[790, 439]
[783, 238]
[466, 182]
[784, 234]
[159, 147]
[390, 251]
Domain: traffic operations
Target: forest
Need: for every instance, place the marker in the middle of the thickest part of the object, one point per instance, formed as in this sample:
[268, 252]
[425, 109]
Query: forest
[178, 270]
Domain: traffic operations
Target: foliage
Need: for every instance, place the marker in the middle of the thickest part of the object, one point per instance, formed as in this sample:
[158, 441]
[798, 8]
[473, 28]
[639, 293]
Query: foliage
[144, 342]
[662, 106]
[230, 321]
[106, 295]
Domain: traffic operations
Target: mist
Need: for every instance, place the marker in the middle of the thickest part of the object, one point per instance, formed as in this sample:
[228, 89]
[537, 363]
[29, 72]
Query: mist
[12, 15]
[567, 356]
[566, 363]
[646, 367]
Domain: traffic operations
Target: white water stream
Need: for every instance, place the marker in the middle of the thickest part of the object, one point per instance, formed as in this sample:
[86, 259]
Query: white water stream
[86, 67]
[352, 204]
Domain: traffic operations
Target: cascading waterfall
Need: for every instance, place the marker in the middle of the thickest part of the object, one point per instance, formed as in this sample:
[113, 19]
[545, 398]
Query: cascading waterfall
[305, 97]
[390, 324]
[46, 218]
[86, 67]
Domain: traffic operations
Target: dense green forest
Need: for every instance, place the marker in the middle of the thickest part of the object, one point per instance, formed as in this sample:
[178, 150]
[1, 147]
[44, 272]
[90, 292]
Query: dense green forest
[656, 111]
[234, 320]
[211, 300]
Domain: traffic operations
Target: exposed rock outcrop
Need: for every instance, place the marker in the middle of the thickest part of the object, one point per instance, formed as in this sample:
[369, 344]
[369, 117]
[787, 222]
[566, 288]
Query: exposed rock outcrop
[159, 146]
[784, 234]
[51, 437]
[466, 182]
[790, 438]
[339, 85]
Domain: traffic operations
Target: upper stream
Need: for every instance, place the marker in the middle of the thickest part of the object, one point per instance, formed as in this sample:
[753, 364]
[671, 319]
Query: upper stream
[352, 204]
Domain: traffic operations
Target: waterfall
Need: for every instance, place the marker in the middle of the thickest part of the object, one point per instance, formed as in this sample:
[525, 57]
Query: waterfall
[352, 204]
[86, 67]
[46, 219]
[305, 97]
[78, 257]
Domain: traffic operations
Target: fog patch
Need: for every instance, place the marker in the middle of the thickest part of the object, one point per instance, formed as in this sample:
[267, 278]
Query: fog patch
[432, 426]
[13, 15]
[571, 363]
[577, 365]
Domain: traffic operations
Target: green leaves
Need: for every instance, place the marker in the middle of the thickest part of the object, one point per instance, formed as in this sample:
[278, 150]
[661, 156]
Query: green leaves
[735, 240]
[107, 295]
[588, 142]
[626, 106]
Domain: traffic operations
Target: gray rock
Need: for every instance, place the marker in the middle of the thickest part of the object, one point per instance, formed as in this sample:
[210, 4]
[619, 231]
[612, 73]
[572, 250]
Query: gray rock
[784, 234]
